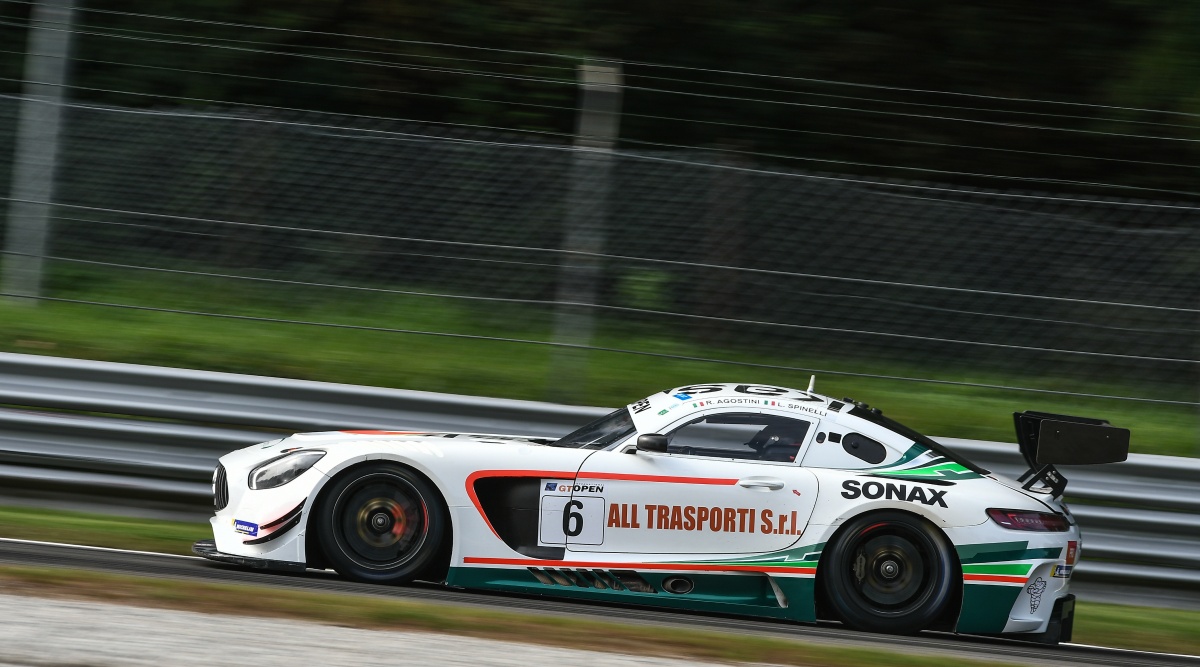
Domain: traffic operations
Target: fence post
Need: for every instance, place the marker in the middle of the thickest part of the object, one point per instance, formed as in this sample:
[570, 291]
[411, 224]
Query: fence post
[583, 233]
[35, 157]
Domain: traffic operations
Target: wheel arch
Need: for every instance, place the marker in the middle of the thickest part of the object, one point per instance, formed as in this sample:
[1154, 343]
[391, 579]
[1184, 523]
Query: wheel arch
[313, 554]
[947, 620]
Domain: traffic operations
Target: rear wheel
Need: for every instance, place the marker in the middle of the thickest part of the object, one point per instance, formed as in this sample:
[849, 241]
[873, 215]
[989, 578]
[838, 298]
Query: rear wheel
[889, 572]
[382, 524]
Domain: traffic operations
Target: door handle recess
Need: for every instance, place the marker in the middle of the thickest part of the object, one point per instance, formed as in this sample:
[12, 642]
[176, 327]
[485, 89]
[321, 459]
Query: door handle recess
[760, 483]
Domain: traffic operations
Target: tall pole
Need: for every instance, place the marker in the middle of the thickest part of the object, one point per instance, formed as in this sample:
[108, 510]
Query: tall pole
[35, 161]
[584, 233]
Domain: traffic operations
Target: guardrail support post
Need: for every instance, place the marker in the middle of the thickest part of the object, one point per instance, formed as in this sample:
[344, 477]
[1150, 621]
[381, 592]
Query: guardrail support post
[35, 159]
[584, 234]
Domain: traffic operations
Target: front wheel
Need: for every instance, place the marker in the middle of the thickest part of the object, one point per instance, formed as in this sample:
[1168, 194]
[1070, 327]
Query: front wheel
[889, 572]
[381, 524]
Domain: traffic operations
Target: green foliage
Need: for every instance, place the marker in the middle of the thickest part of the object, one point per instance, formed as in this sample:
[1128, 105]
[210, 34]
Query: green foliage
[645, 289]
[393, 59]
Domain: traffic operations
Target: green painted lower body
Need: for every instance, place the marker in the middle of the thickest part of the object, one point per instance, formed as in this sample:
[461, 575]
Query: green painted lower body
[747, 593]
[985, 608]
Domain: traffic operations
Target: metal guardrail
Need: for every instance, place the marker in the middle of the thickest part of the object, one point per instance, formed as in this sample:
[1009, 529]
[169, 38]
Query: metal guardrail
[112, 434]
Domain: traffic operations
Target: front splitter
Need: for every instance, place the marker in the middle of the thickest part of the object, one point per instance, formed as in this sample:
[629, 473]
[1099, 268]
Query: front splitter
[208, 549]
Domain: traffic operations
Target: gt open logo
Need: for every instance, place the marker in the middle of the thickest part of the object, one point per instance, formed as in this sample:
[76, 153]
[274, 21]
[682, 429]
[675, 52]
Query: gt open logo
[576, 488]
[580, 488]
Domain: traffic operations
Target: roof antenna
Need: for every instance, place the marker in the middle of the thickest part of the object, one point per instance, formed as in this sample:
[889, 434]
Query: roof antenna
[812, 382]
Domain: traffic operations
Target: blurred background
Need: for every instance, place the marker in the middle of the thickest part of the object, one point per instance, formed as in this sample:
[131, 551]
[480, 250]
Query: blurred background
[952, 210]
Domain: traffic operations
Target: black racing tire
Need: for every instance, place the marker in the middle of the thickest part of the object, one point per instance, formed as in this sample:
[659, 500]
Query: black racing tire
[889, 572]
[382, 524]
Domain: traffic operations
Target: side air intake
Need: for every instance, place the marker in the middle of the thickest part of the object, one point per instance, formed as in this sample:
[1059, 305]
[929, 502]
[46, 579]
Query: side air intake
[616, 580]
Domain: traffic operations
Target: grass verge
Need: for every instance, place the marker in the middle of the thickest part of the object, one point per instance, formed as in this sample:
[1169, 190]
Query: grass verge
[99, 530]
[1118, 626]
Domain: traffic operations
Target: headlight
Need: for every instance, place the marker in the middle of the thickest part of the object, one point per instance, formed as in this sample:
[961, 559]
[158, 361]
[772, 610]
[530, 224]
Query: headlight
[281, 470]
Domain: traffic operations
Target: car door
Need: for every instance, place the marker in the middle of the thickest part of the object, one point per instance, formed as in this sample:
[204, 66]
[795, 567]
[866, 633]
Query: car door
[715, 491]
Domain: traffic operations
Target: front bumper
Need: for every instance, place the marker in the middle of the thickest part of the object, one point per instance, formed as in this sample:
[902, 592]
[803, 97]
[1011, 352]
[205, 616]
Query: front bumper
[208, 549]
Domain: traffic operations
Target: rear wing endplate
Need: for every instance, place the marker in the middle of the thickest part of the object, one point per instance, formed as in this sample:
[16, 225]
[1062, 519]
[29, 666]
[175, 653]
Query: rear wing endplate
[1046, 439]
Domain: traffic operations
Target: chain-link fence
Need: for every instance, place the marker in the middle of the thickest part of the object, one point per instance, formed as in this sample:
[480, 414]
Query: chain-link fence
[688, 253]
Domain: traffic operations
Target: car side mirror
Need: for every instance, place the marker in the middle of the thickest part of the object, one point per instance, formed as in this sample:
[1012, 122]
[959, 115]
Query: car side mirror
[652, 442]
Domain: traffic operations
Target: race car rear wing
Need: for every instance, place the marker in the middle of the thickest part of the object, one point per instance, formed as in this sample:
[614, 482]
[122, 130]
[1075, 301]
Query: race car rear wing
[1047, 439]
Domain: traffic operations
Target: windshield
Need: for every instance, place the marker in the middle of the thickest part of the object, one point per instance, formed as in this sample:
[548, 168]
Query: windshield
[601, 433]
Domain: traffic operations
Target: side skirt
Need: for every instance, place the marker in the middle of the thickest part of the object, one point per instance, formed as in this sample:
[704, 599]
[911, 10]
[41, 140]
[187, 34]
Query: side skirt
[748, 593]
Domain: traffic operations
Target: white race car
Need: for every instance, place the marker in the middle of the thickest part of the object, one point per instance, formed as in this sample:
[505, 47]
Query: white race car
[730, 498]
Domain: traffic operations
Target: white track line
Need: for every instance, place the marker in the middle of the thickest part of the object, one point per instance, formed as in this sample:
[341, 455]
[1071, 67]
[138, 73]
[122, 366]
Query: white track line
[1131, 650]
[88, 548]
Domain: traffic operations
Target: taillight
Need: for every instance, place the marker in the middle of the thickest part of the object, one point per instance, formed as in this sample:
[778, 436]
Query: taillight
[1043, 522]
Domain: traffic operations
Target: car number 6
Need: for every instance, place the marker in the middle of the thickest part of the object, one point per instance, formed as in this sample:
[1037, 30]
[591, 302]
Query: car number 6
[572, 522]
[564, 517]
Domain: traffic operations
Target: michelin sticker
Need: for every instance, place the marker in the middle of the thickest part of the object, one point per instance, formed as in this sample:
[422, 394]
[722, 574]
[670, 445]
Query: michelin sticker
[570, 510]
[245, 527]
[1035, 591]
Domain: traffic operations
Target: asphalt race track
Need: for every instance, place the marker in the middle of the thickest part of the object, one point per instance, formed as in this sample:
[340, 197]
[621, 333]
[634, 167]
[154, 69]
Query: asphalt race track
[20, 552]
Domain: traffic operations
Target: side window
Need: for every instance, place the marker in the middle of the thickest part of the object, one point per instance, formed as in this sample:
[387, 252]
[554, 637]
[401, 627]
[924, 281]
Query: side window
[748, 436]
[860, 446]
[845, 449]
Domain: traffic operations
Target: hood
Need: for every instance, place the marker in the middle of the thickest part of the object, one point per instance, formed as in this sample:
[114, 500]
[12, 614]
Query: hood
[255, 454]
